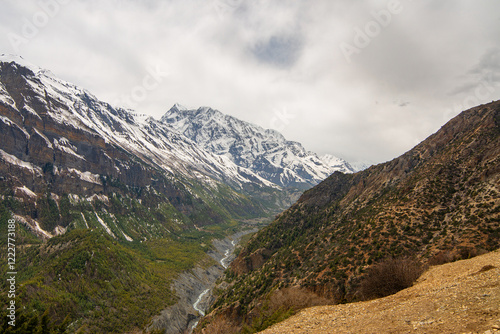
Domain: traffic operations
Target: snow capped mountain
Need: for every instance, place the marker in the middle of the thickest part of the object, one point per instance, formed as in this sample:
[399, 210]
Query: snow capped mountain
[265, 152]
[200, 144]
[61, 147]
[338, 164]
[141, 135]
[72, 164]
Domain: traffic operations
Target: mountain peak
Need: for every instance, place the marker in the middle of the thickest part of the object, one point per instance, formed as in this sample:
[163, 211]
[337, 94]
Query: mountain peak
[9, 58]
[265, 152]
[179, 107]
[19, 60]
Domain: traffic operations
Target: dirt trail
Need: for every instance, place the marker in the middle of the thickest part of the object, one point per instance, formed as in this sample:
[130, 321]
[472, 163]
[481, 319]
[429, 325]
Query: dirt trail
[459, 297]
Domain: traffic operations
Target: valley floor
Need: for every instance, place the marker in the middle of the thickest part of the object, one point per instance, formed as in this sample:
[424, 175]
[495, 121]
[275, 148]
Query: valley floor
[459, 297]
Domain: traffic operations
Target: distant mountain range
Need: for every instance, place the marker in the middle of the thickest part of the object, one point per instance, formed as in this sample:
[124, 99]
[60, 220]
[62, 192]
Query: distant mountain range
[112, 205]
[59, 140]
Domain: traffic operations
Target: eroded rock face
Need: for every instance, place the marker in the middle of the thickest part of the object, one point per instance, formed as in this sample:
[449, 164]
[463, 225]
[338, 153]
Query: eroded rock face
[32, 138]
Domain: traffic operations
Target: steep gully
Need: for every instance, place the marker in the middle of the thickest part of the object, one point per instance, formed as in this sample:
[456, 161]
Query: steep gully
[194, 289]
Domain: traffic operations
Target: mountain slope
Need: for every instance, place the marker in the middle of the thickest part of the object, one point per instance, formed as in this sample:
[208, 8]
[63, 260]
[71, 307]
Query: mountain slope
[265, 152]
[110, 206]
[59, 142]
[439, 201]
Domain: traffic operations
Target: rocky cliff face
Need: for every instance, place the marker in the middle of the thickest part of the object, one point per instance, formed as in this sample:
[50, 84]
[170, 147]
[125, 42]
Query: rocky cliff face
[438, 202]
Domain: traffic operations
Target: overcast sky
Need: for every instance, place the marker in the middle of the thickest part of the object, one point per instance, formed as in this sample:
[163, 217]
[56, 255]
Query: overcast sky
[363, 80]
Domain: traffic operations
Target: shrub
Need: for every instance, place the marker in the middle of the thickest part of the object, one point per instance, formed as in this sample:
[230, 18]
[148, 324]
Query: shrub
[282, 304]
[220, 325]
[441, 258]
[295, 299]
[390, 276]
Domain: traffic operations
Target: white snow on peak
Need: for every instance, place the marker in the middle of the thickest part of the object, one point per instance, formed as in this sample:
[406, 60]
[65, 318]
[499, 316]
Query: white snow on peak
[337, 163]
[262, 151]
[361, 165]
[139, 134]
[180, 107]
[9, 58]
[188, 142]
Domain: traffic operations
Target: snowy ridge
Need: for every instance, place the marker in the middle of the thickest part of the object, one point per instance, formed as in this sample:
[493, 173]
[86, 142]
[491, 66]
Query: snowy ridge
[153, 141]
[201, 144]
[9, 58]
[265, 152]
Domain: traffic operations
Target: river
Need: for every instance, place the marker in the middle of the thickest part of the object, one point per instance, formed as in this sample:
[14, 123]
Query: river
[194, 289]
[227, 254]
[203, 298]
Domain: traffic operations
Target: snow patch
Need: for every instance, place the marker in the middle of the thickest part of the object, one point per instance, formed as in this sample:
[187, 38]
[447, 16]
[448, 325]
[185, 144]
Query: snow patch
[127, 237]
[85, 220]
[33, 224]
[5, 97]
[47, 141]
[74, 199]
[11, 123]
[26, 191]
[32, 111]
[39, 229]
[86, 176]
[100, 197]
[64, 145]
[104, 225]
[59, 230]
[18, 162]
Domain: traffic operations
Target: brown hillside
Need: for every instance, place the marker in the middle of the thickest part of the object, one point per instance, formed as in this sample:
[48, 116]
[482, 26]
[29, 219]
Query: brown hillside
[438, 202]
[459, 297]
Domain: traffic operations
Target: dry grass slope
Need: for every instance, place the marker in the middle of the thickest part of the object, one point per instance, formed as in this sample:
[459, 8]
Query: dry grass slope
[459, 297]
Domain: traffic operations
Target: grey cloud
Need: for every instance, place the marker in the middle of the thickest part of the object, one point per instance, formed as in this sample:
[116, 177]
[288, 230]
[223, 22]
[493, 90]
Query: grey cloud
[485, 72]
[489, 66]
[251, 58]
[282, 51]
